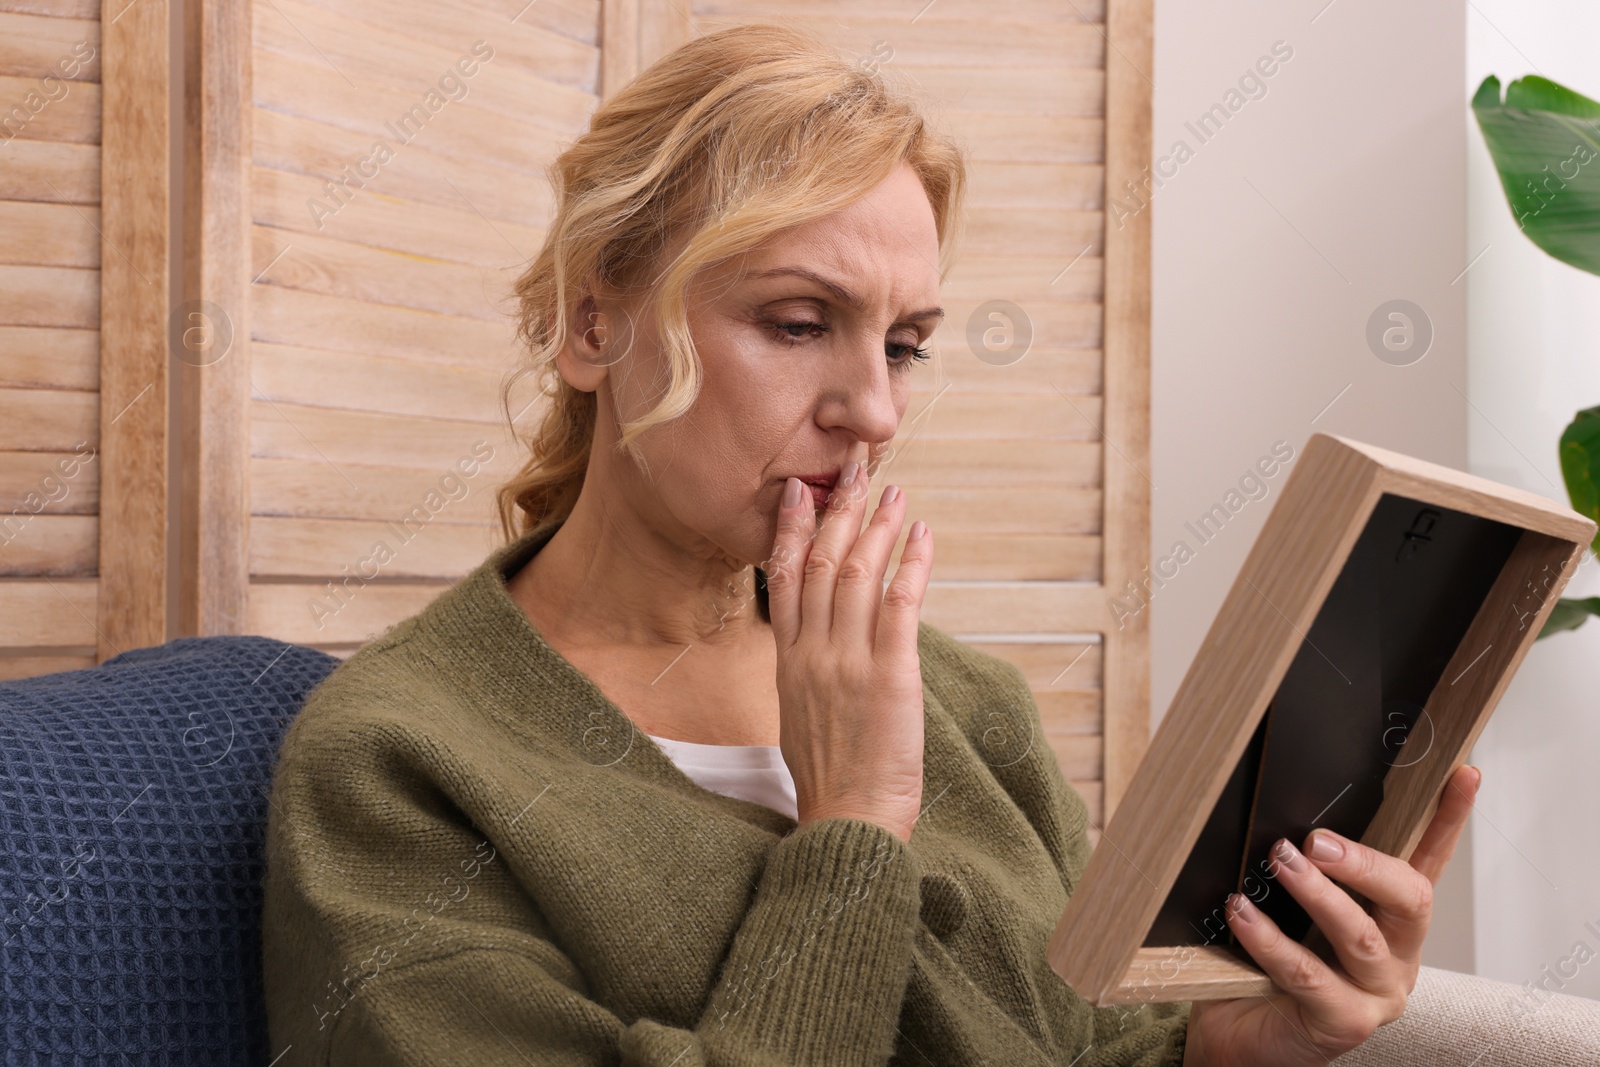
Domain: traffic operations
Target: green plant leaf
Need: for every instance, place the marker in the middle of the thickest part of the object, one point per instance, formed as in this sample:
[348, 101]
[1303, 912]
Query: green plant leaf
[1545, 142]
[1569, 615]
[1580, 465]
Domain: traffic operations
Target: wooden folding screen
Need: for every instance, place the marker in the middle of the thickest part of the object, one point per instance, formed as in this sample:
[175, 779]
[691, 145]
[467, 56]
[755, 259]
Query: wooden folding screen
[83, 311]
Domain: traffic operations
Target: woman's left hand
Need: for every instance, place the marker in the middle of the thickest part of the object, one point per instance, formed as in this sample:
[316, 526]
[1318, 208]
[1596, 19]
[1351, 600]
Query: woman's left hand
[1326, 1010]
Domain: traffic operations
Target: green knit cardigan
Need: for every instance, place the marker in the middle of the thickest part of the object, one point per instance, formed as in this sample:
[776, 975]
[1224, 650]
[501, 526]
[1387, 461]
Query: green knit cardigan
[474, 857]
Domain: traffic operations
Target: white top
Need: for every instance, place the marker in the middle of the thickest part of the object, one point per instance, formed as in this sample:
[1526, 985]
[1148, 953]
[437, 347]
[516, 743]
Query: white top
[750, 772]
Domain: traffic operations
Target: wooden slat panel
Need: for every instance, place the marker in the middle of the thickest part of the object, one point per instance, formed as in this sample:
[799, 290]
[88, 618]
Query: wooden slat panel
[47, 420]
[1011, 607]
[956, 43]
[1055, 325]
[57, 545]
[53, 235]
[934, 461]
[379, 493]
[44, 613]
[619, 44]
[1026, 12]
[1127, 394]
[458, 235]
[461, 133]
[1052, 234]
[357, 272]
[32, 46]
[522, 45]
[1003, 88]
[74, 117]
[305, 613]
[293, 431]
[50, 296]
[1079, 755]
[1055, 186]
[1027, 416]
[49, 483]
[1076, 277]
[135, 302]
[420, 548]
[1006, 137]
[663, 27]
[1016, 557]
[578, 19]
[1070, 712]
[500, 191]
[1074, 371]
[51, 171]
[310, 320]
[44, 358]
[61, 9]
[310, 376]
[13, 666]
[324, 102]
[368, 51]
[214, 509]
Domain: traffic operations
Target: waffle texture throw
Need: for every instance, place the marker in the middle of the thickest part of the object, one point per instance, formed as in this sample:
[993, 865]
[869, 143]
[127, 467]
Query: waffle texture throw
[132, 814]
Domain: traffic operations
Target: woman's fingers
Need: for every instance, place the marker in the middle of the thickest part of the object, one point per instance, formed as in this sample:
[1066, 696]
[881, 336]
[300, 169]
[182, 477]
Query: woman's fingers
[902, 601]
[855, 606]
[1438, 842]
[1363, 950]
[1317, 989]
[1402, 896]
[841, 523]
[785, 571]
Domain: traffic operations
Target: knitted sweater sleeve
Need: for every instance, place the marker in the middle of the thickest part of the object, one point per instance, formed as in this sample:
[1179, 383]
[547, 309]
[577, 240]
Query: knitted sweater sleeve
[372, 959]
[998, 707]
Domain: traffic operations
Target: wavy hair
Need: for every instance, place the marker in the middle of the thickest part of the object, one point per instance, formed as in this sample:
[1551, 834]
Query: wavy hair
[723, 143]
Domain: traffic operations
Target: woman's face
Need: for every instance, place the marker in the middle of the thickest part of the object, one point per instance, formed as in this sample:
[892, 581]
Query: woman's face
[808, 347]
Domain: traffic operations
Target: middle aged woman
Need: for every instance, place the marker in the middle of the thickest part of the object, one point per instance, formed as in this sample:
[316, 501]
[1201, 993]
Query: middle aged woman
[482, 851]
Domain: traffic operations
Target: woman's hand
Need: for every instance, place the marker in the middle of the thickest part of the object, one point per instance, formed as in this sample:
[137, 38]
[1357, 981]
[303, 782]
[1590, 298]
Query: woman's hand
[1324, 1010]
[849, 677]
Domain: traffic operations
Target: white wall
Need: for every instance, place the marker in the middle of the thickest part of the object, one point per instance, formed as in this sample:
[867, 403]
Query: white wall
[1342, 188]
[1534, 357]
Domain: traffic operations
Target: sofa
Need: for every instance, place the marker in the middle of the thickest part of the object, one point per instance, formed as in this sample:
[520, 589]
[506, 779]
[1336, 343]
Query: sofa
[133, 804]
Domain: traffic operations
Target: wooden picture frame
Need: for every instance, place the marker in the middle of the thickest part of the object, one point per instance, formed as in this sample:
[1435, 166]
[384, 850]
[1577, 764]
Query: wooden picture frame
[1422, 588]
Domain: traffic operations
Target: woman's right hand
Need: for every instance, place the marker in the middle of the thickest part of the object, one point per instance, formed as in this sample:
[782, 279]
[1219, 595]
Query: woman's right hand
[849, 676]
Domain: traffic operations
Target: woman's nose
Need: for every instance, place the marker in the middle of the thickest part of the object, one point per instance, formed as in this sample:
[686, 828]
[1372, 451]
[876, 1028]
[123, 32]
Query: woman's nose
[862, 400]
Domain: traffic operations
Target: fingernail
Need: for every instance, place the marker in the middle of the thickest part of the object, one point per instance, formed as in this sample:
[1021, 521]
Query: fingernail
[1479, 772]
[918, 528]
[848, 475]
[1286, 854]
[889, 496]
[791, 492]
[1325, 846]
[1241, 908]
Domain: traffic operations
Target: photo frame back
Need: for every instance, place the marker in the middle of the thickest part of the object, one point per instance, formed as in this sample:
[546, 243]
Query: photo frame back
[1377, 620]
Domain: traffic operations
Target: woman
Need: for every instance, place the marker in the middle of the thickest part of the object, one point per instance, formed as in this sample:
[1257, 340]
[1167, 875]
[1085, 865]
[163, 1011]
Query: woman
[491, 840]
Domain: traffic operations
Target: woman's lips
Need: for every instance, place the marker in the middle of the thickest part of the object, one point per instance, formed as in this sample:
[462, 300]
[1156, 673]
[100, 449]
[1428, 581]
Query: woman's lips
[819, 494]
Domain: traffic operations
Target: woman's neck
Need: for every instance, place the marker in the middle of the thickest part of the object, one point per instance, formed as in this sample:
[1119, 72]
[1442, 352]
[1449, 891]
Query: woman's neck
[606, 578]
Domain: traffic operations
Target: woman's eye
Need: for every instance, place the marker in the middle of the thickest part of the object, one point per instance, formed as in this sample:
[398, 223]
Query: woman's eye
[799, 328]
[905, 355]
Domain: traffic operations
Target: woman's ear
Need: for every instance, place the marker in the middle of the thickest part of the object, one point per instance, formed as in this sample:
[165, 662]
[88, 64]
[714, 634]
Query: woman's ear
[587, 350]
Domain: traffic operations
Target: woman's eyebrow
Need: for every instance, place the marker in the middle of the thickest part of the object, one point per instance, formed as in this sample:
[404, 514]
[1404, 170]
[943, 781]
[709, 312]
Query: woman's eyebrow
[848, 297]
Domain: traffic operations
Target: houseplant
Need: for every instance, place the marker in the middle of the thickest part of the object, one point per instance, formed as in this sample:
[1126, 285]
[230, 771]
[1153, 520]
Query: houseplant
[1545, 142]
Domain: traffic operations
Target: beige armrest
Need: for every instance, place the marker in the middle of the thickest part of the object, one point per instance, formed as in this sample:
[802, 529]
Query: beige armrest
[1459, 1020]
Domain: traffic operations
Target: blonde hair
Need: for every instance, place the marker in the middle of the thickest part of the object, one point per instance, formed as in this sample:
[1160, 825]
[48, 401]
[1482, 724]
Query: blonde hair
[730, 139]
